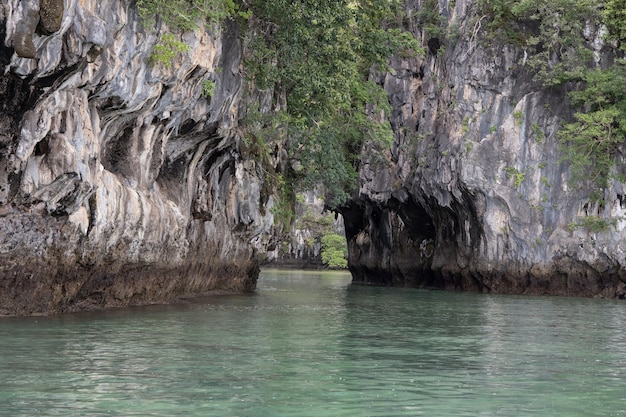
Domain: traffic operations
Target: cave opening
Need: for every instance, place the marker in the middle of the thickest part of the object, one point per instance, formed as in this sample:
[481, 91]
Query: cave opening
[390, 245]
[116, 154]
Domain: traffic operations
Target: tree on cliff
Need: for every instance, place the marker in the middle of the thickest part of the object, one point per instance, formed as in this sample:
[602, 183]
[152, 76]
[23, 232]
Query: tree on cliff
[318, 56]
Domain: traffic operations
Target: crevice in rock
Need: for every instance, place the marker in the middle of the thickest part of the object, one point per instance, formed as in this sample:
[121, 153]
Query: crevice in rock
[433, 46]
[115, 156]
[59, 76]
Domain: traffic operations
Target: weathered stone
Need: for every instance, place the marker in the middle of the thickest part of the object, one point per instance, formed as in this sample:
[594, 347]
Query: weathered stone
[475, 195]
[120, 184]
[26, 24]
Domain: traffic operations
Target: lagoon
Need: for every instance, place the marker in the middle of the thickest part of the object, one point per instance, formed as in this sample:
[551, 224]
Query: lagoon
[312, 344]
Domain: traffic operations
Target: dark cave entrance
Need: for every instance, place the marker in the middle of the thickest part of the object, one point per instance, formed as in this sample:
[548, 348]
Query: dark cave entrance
[390, 245]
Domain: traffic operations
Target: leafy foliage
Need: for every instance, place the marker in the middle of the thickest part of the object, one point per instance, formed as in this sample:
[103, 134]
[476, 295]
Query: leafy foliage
[316, 224]
[208, 88]
[182, 15]
[517, 176]
[614, 17]
[334, 249]
[186, 14]
[285, 200]
[318, 55]
[591, 142]
[436, 26]
[550, 31]
[167, 49]
[593, 224]
[429, 18]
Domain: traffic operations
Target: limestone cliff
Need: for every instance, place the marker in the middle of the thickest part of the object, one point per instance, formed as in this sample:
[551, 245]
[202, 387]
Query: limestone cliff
[475, 195]
[120, 183]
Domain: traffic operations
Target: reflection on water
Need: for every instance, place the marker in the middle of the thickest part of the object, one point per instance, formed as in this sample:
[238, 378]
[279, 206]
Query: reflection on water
[311, 344]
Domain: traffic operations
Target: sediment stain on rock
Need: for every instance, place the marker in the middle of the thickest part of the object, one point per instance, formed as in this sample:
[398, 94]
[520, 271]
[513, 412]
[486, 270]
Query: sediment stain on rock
[26, 24]
[50, 16]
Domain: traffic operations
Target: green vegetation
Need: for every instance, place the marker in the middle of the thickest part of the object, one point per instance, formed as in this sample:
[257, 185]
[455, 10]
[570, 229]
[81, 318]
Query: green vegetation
[591, 142]
[318, 59]
[517, 176]
[180, 15]
[317, 224]
[537, 132]
[186, 14]
[334, 250]
[167, 49]
[208, 88]
[429, 18]
[465, 125]
[614, 17]
[285, 201]
[550, 31]
[435, 25]
[593, 224]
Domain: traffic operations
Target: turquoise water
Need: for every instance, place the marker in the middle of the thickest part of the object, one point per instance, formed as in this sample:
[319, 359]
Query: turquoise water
[310, 344]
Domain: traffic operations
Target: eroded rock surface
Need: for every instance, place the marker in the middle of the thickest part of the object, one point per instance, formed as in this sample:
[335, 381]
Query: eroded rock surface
[119, 182]
[475, 195]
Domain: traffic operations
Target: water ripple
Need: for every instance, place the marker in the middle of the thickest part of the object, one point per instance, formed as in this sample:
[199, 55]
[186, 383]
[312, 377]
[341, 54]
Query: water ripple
[309, 344]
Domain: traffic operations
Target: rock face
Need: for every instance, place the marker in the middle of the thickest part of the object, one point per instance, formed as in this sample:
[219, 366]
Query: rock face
[474, 195]
[119, 182]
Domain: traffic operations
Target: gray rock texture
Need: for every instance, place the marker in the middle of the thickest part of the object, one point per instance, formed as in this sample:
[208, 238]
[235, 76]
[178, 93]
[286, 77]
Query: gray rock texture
[120, 184]
[475, 195]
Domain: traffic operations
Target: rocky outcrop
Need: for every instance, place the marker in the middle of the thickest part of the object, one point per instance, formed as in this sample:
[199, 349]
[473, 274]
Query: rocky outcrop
[475, 195]
[120, 183]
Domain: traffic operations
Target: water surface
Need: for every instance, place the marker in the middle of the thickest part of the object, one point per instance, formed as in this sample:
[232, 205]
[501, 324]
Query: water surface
[311, 344]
